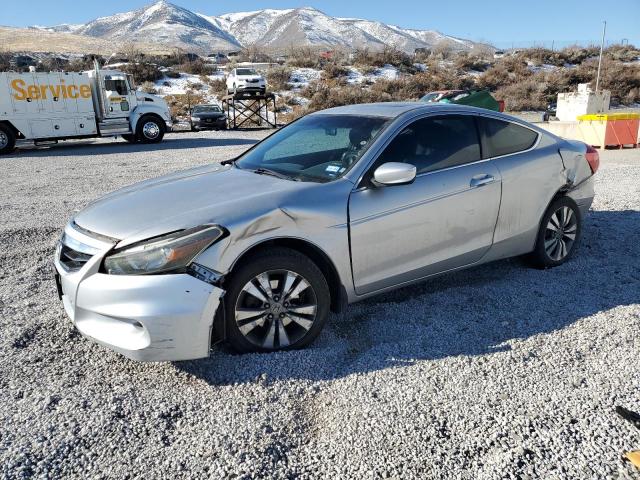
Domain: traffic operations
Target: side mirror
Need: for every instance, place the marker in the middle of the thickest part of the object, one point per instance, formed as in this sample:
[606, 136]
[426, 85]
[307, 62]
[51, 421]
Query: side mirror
[394, 173]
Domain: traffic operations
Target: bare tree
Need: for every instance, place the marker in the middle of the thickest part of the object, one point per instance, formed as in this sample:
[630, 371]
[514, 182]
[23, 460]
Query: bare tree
[131, 51]
[5, 59]
[442, 50]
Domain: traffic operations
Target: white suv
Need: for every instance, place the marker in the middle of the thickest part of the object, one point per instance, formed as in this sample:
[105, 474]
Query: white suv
[246, 80]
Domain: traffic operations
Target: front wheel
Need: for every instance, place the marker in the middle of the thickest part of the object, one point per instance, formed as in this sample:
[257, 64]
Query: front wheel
[150, 129]
[7, 139]
[558, 235]
[279, 300]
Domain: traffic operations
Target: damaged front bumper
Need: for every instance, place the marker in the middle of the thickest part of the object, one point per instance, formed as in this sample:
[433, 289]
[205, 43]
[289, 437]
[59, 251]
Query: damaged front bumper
[144, 317]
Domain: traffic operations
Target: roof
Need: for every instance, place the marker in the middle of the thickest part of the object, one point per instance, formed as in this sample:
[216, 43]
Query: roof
[389, 109]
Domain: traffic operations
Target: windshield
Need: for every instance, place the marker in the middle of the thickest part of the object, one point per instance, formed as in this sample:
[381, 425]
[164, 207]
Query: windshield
[246, 71]
[206, 109]
[319, 147]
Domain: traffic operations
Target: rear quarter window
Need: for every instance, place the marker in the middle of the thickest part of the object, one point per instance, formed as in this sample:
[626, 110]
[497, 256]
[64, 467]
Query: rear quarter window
[505, 138]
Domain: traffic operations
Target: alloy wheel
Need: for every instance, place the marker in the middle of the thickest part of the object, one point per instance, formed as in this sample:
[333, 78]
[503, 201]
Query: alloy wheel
[151, 130]
[276, 309]
[560, 233]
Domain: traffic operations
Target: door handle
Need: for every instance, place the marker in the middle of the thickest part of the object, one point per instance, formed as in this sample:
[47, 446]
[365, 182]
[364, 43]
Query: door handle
[480, 180]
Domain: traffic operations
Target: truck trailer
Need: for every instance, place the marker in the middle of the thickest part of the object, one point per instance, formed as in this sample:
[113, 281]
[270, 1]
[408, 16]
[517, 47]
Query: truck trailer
[47, 107]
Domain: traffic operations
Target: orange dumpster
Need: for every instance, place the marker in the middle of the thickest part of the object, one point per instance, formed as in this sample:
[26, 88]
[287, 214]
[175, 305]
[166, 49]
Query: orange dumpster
[610, 129]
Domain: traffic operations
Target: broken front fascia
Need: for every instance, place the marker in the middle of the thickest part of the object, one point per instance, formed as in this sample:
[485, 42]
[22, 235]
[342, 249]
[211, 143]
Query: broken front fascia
[144, 317]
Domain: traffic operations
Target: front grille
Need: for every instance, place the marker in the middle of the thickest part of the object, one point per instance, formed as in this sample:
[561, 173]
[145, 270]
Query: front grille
[73, 254]
[253, 81]
[72, 260]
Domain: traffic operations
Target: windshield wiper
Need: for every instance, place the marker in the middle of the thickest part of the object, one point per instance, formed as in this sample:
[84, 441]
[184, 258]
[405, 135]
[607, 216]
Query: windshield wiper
[273, 173]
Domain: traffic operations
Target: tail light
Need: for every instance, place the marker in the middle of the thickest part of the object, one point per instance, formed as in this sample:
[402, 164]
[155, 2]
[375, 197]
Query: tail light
[501, 105]
[593, 158]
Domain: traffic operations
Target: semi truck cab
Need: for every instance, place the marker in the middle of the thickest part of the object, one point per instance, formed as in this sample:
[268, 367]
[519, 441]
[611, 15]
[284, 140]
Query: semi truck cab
[48, 107]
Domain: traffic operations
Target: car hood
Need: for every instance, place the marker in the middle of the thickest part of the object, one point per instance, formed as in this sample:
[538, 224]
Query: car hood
[210, 194]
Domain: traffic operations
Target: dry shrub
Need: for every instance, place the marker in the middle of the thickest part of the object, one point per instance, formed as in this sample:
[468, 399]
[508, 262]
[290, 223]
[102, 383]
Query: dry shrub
[525, 95]
[197, 67]
[540, 56]
[576, 54]
[303, 57]
[325, 96]
[148, 87]
[278, 78]
[179, 104]
[333, 70]
[415, 86]
[464, 61]
[539, 89]
[623, 53]
[5, 61]
[172, 74]
[366, 58]
[142, 71]
[507, 71]
[622, 80]
[217, 86]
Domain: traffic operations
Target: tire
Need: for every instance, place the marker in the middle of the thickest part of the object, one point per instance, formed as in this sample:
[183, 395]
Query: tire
[270, 321]
[150, 129]
[130, 138]
[7, 140]
[558, 235]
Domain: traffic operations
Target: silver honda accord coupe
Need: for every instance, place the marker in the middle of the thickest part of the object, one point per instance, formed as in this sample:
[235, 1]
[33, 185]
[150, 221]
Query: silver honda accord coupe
[336, 207]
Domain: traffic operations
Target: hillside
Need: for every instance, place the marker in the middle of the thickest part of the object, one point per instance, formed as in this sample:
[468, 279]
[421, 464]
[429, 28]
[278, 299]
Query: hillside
[32, 40]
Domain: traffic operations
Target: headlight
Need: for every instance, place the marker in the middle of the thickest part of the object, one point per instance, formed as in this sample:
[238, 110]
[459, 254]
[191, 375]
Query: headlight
[164, 254]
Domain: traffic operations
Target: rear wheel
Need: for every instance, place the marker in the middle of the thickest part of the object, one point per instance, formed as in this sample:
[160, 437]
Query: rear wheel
[278, 300]
[558, 235]
[7, 139]
[150, 129]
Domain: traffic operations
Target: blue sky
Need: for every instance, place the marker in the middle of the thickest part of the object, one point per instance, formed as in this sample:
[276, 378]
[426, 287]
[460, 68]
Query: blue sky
[501, 22]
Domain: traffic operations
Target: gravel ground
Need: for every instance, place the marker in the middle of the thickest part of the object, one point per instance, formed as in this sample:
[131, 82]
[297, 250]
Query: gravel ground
[497, 372]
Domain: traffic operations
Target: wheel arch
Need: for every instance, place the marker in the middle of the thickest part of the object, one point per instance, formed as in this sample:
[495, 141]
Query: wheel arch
[561, 192]
[12, 127]
[147, 113]
[314, 253]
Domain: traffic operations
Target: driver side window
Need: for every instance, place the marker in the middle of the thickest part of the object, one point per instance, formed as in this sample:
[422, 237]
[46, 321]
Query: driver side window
[119, 86]
[435, 143]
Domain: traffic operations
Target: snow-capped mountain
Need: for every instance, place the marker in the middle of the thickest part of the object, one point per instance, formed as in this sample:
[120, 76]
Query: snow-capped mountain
[171, 25]
[300, 26]
[161, 22]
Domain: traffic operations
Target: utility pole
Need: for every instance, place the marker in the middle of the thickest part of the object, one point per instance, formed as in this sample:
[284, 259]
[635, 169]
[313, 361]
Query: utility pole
[604, 31]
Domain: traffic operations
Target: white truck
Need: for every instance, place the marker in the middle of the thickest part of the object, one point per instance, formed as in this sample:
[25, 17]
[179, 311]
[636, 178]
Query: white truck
[47, 107]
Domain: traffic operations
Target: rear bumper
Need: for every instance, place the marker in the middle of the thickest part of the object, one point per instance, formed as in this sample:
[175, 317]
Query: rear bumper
[147, 318]
[583, 195]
